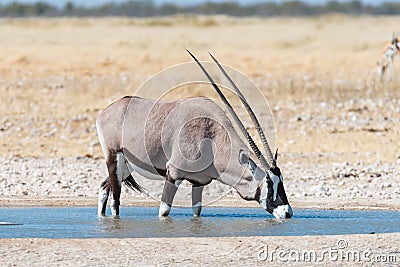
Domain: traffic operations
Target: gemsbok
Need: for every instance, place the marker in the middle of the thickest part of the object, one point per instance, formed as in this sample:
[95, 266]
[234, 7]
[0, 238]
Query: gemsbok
[186, 139]
[387, 60]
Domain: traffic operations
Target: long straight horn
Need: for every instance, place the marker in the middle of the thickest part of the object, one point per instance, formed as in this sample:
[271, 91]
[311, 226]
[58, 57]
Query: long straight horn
[250, 111]
[234, 115]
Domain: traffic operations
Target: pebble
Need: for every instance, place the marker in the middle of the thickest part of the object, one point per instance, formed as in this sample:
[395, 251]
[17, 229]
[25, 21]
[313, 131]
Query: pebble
[386, 184]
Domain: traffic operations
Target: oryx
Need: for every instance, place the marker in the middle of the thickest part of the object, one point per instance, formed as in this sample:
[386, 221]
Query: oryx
[187, 139]
[387, 60]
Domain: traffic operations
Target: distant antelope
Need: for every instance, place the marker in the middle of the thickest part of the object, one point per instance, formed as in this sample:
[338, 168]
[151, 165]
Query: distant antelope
[199, 145]
[388, 54]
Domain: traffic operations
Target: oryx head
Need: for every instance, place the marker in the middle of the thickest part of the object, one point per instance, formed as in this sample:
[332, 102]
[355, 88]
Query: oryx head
[270, 191]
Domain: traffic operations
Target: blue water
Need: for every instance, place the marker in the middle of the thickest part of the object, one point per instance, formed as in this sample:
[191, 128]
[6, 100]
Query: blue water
[144, 222]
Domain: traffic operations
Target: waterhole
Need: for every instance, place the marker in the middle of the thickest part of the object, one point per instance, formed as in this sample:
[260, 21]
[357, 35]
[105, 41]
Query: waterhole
[83, 222]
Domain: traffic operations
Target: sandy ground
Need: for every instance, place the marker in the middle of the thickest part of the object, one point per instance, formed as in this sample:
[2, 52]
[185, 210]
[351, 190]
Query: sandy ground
[337, 128]
[348, 250]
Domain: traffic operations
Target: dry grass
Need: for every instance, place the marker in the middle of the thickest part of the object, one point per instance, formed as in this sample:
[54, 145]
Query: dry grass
[57, 73]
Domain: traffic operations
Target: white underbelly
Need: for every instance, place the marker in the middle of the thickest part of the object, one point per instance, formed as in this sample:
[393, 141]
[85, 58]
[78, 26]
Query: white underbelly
[146, 174]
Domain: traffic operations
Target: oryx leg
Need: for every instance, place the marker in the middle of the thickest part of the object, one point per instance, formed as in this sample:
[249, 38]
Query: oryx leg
[117, 171]
[115, 184]
[104, 191]
[168, 194]
[197, 192]
[171, 185]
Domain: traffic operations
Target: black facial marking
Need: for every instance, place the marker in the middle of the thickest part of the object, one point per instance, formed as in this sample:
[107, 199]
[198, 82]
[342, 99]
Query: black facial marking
[270, 196]
[276, 171]
[281, 198]
[258, 193]
[282, 195]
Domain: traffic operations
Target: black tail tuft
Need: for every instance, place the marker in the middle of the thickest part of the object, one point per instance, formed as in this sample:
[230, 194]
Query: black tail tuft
[132, 184]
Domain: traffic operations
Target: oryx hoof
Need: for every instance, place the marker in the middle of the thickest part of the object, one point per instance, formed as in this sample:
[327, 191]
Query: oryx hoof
[164, 209]
[196, 209]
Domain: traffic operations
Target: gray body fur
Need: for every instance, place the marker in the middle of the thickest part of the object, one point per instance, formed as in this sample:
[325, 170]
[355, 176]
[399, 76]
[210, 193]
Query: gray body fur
[189, 139]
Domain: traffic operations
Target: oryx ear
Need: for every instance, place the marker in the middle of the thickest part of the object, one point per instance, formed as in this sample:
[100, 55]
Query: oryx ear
[243, 157]
[245, 160]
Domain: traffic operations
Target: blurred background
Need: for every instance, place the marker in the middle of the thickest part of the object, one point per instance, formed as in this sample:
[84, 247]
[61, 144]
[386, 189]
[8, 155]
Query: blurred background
[61, 62]
[143, 8]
